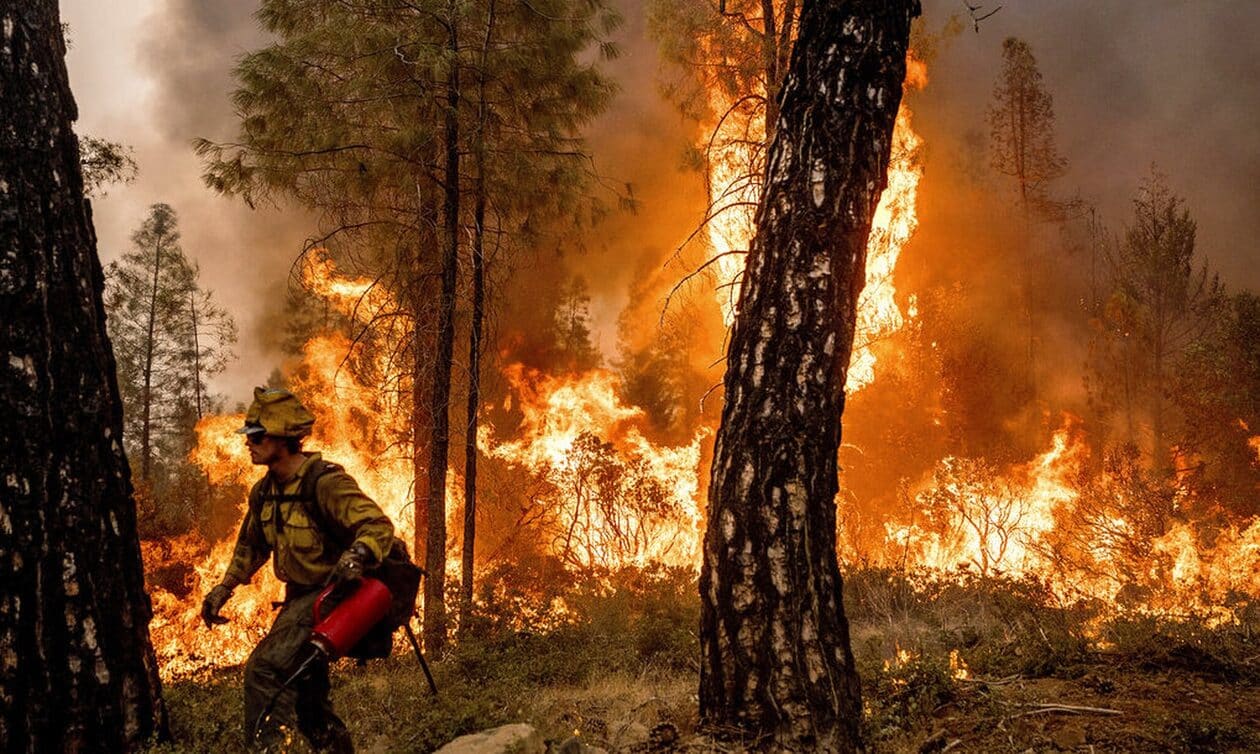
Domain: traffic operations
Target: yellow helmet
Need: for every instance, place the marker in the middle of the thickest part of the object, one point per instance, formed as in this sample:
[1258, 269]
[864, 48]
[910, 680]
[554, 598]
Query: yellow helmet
[278, 413]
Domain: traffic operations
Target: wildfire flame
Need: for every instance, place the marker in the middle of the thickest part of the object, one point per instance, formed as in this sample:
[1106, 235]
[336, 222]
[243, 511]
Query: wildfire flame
[359, 425]
[564, 421]
[733, 196]
[1037, 520]
[600, 493]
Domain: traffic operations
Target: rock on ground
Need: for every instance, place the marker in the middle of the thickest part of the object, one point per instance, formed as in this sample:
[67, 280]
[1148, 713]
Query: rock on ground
[517, 738]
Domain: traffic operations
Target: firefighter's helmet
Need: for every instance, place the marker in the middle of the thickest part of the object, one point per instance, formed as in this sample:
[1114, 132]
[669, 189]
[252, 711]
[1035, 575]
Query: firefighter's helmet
[278, 413]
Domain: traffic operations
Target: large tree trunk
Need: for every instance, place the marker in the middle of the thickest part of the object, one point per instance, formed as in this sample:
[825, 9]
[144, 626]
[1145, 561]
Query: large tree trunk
[776, 660]
[77, 671]
[435, 550]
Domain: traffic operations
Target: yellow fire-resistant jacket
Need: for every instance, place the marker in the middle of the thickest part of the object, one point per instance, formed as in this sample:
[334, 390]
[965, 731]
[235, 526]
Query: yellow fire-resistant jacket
[305, 555]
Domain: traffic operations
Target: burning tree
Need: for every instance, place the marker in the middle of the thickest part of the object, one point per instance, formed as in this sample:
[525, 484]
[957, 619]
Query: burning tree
[775, 650]
[732, 61]
[973, 506]
[77, 670]
[604, 510]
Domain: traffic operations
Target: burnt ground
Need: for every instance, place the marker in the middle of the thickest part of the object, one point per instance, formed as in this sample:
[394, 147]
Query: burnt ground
[1106, 709]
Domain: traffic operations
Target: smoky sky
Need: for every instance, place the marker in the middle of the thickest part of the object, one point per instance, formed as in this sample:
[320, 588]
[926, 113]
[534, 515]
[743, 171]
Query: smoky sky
[1135, 84]
[1172, 84]
[155, 74]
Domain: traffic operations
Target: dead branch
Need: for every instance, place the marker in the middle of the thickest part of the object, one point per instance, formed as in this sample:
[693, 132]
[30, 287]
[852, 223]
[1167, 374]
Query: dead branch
[1068, 709]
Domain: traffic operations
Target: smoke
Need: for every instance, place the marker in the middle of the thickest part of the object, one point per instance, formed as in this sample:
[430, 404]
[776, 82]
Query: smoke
[1169, 83]
[155, 76]
[630, 260]
[1132, 85]
[639, 145]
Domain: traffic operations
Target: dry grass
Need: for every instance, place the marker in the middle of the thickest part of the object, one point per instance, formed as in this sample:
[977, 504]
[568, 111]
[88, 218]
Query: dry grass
[625, 665]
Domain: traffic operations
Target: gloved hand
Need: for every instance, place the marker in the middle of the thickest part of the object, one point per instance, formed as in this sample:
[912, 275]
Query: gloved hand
[350, 567]
[213, 603]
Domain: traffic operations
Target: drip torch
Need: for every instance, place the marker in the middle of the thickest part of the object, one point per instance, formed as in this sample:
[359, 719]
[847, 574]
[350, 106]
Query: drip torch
[336, 632]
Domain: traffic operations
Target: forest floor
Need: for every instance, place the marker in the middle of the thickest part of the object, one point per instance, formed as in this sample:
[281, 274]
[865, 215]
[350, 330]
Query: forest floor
[968, 666]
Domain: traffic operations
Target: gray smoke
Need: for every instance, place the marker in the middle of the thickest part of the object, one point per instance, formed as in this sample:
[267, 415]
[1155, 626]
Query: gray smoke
[164, 84]
[1170, 83]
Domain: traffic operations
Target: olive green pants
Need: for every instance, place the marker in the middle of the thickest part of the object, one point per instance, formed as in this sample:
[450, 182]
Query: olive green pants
[304, 706]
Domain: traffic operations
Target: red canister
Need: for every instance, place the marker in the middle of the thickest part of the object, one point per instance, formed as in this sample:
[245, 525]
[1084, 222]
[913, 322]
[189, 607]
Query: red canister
[338, 631]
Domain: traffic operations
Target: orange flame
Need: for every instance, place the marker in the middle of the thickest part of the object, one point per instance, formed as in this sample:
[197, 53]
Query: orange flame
[619, 498]
[1037, 520]
[734, 196]
[356, 426]
[359, 425]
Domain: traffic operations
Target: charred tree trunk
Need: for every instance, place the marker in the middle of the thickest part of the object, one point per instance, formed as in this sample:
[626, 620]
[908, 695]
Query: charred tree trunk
[474, 408]
[435, 550]
[474, 335]
[422, 292]
[77, 670]
[776, 660]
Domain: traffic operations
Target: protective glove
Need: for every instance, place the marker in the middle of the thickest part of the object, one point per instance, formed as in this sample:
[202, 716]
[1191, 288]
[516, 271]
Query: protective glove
[213, 603]
[350, 567]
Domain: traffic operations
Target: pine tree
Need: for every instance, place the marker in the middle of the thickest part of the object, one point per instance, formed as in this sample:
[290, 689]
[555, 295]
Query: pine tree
[775, 655]
[77, 669]
[104, 163]
[170, 336]
[572, 321]
[1022, 146]
[1021, 128]
[1161, 306]
[148, 291]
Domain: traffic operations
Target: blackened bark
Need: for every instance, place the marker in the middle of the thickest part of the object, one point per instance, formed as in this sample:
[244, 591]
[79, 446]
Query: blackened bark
[77, 670]
[435, 550]
[474, 406]
[474, 334]
[776, 660]
[422, 293]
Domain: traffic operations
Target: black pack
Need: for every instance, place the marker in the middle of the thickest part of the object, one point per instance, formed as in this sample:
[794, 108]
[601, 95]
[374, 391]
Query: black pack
[396, 570]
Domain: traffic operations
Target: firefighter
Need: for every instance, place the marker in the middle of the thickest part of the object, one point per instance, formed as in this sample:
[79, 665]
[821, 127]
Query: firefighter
[318, 527]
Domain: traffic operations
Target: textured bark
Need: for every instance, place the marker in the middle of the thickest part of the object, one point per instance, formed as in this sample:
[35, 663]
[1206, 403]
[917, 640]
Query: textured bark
[77, 670]
[435, 551]
[422, 293]
[475, 333]
[776, 661]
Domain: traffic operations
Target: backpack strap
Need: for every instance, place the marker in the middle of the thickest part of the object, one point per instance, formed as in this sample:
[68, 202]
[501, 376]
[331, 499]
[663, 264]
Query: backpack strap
[307, 496]
[256, 494]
